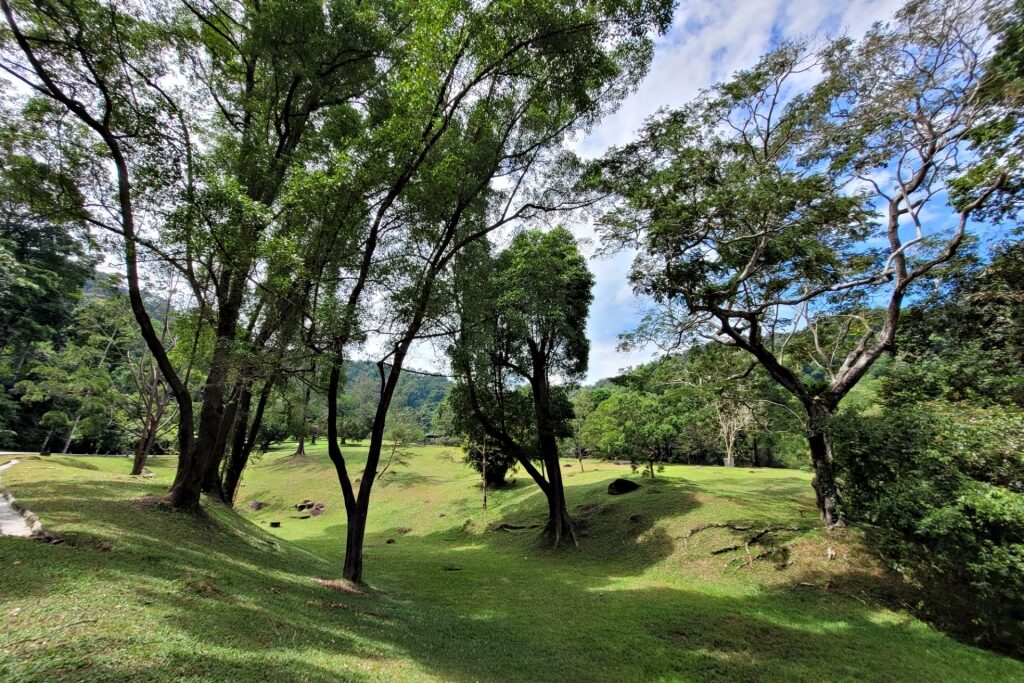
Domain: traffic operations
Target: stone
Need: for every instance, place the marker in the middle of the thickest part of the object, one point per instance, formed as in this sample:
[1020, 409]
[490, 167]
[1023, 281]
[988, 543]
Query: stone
[256, 505]
[620, 486]
[274, 525]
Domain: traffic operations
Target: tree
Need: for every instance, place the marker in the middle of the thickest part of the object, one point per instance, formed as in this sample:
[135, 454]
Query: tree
[527, 325]
[205, 111]
[487, 95]
[740, 203]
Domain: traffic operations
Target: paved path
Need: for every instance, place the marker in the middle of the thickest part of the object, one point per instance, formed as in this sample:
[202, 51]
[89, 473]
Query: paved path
[11, 521]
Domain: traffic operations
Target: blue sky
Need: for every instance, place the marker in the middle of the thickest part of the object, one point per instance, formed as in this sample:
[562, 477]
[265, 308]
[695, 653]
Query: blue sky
[708, 41]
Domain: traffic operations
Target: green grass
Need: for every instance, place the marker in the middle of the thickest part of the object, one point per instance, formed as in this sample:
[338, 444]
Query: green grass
[139, 594]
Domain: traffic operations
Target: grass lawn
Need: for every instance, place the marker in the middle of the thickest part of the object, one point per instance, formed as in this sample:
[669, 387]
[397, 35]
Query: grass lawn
[138, 594]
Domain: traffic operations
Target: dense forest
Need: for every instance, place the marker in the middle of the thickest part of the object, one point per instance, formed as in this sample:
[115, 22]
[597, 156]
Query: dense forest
[228, 226]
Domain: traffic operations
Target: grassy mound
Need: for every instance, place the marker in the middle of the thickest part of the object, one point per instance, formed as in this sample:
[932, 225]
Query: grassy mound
[666, 583]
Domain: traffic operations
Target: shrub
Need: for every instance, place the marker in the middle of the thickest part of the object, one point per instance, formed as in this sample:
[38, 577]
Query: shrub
[941, 488]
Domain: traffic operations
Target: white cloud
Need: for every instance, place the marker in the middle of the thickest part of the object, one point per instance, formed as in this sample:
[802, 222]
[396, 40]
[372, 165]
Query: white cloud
[709, 40]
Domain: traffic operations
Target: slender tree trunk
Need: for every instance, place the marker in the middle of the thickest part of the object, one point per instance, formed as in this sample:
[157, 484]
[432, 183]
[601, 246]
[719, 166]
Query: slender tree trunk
[44, 450]
[301, 449]
[142, 448]
[243, 442]
[71, 434]
[356, 528]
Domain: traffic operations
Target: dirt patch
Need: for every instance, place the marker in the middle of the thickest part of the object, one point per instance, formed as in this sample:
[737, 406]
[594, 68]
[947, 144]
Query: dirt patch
[343, 585]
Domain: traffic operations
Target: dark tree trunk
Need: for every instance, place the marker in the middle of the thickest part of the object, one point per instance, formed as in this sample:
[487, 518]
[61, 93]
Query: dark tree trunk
[142, 449]
[826, 488]
[212, 478]
[243, 442]
[559, 525]
[192, 470]
[356, 530]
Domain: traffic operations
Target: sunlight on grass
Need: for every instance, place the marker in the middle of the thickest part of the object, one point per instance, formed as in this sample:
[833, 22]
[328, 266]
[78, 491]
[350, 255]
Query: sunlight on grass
[135, 593]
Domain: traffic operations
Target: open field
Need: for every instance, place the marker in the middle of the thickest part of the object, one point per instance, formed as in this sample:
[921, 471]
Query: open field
[136, 593]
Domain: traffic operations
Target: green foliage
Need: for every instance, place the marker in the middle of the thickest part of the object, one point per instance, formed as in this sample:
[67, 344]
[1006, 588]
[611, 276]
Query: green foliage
[943, 486]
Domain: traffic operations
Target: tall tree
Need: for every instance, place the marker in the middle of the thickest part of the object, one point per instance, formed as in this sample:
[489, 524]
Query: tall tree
[263, 88]
[485, 97]
[742, 209]
[527, 324]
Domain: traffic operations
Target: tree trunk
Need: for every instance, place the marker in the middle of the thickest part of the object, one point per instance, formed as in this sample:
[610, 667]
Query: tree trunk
[559, 526]
[826, 488]
[142, 448]
[353, 569]
[44, 449]
[212, 478]
[301, 449]
[244, 442]
[71, 434]
[192, 470]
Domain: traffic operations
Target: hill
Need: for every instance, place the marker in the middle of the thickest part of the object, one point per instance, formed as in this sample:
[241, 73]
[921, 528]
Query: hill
[136, 593]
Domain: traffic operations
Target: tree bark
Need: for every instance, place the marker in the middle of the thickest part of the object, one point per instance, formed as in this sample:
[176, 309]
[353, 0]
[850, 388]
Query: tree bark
[142, 450]
[71, 434]
[826, 488]
[192, 470]
[559, 526]
[243, 442]
[212, 478]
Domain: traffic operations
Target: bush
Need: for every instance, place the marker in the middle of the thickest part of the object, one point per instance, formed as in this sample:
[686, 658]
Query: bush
[941, 486]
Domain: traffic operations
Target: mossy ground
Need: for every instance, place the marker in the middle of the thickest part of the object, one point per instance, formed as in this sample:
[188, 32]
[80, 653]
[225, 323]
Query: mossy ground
[136, 593]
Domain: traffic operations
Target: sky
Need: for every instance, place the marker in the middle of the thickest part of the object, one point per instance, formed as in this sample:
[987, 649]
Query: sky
[708, 41]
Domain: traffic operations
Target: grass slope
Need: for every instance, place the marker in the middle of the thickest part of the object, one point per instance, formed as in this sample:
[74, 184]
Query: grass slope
[139, 594]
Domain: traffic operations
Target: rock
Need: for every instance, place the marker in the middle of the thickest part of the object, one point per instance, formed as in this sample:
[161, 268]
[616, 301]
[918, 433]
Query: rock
[567, 465]
[389, 541]
[304, 505]
[317, 509]
[403, 530]
[451, 568]
[620, 486]
[257, 505]
[274, 525]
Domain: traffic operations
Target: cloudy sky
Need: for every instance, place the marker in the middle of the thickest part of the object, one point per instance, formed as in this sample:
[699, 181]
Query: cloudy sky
[708, 41]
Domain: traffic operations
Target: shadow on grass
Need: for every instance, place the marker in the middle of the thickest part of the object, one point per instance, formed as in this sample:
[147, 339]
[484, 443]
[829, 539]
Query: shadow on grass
[223, 600]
